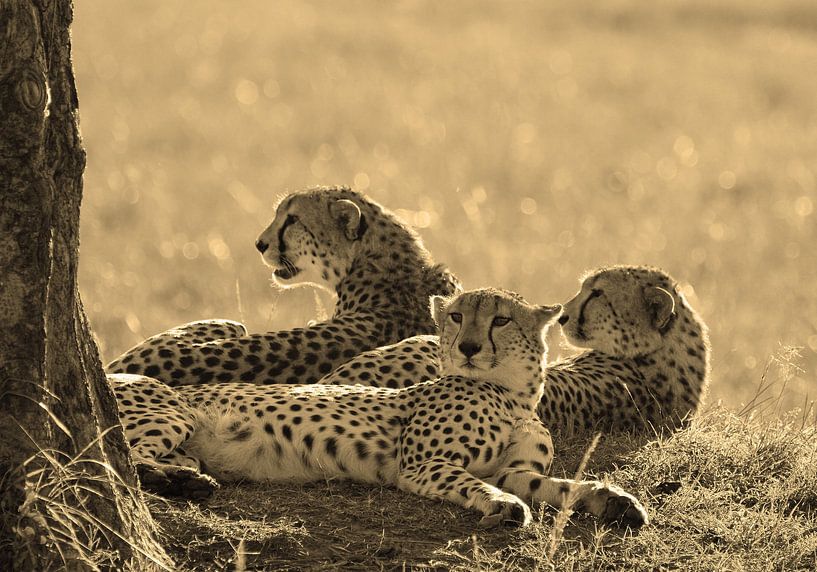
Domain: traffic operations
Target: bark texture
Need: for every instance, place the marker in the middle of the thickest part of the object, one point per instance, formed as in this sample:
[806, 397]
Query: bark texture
[61, 446]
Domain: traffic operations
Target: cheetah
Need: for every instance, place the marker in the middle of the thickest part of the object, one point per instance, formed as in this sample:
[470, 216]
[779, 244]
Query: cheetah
[645, 368]
[470, 437]
[333, 238]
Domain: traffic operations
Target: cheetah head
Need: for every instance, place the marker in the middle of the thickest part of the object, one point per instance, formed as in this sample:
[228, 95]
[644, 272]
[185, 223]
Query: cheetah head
[314, 237]
[491, 334]
[621, 311]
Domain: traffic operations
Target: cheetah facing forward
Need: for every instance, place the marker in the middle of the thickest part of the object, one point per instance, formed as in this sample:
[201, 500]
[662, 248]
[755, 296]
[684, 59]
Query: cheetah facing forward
[470, 437]
[646, 367]
[334, 238]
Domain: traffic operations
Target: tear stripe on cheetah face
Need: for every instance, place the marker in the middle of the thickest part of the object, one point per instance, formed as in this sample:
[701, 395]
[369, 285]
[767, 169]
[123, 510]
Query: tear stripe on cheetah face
[593, 390]
[492, 335]
[471, 439]
[382, 299]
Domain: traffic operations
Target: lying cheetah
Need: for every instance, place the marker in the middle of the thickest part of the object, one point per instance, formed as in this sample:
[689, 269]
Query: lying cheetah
[470, 437]
[646, 367]
[330, 237]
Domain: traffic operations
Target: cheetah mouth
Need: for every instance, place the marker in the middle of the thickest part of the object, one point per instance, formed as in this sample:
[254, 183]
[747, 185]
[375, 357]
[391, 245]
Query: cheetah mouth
[287, 269]
[286, 272]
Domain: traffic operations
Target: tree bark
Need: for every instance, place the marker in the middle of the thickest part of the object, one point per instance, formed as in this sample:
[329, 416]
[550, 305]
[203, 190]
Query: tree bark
[68, 491]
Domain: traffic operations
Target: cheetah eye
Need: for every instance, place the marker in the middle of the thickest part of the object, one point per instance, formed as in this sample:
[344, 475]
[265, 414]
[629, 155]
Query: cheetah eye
[595, 293]
[456, 317]
[500, 321]
[291, 219]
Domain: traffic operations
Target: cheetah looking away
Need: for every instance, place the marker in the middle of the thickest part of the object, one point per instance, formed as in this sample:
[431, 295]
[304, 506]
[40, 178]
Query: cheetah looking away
[470, 437]
[646, 368]
[334, 238]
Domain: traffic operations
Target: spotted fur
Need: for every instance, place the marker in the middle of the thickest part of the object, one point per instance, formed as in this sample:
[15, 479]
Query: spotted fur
[333, 238]
[470, 437]
[646, 366]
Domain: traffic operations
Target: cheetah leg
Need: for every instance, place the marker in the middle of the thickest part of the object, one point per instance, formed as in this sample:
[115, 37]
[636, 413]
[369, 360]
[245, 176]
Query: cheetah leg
[157, 420]
[527, 460]
[192, 333]
[439, 478]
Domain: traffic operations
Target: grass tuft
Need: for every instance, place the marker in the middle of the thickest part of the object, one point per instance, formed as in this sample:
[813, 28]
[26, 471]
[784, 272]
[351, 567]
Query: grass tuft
[57, 516]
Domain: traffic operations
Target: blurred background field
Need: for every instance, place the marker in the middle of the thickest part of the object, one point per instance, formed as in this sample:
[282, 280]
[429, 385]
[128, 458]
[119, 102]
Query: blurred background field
[527, 142]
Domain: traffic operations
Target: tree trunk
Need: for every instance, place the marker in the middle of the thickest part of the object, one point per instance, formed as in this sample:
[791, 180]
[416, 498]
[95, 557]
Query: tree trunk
[68, 491]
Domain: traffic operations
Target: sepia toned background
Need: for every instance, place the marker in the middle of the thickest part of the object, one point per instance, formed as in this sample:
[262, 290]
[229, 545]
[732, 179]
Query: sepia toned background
[527, 142]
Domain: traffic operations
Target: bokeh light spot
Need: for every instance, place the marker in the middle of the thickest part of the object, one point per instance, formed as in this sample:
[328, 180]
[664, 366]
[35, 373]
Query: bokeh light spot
[666, 168]
[479, 194]
[362, 181]
[218, 248]
[527, 206]
[422, 219]
[190, 250]
[684, 148]
[246, 92]
[727, 180]
[717, 231]
[803, 206]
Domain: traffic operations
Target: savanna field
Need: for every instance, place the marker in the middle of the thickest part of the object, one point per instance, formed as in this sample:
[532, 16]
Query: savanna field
[527, 143]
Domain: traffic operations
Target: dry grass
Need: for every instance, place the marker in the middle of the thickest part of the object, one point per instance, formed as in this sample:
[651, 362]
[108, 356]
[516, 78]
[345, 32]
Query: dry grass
[58, 526]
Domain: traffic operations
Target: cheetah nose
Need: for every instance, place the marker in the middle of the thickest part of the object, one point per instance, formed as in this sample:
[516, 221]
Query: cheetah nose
[261, 246]
[469, 349]
[563, 319]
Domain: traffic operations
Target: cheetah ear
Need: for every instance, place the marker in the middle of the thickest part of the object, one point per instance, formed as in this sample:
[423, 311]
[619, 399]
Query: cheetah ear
[546, 314]
[661, 306]
[438, 306]
[347, 215]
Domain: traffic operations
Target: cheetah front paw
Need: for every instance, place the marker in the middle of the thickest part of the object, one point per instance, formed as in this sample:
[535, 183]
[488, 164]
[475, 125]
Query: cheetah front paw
[176, 481]
[506, 509]
[614, 505]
